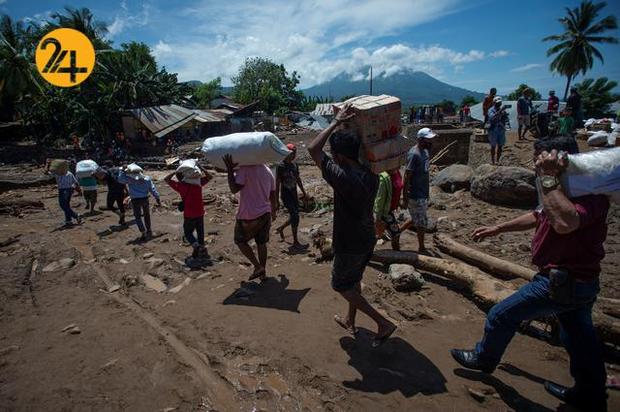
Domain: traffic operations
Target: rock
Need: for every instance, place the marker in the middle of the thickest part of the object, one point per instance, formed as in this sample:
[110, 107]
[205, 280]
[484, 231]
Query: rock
[114, 288]
[66, 328]
[168, 303]
[130, 280]
[505, 185]
[453, 178]
[123, 261]
[72, 329]
[155, 262]
[180, 286]
[65, 263]
[8, 349]
[153, 283]
[148, 255]
[405, 278]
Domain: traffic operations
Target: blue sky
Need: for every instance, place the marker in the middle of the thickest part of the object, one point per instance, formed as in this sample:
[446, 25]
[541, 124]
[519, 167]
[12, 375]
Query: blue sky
[475, 44]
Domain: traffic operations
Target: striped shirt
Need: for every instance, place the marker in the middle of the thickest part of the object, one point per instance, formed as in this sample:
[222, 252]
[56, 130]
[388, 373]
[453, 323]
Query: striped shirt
[66, 181]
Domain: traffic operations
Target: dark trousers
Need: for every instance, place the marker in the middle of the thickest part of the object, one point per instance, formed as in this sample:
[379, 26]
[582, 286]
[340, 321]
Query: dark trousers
[141, 209]
[64, 200]
[197, 224]
[577, 331]
[115, 198]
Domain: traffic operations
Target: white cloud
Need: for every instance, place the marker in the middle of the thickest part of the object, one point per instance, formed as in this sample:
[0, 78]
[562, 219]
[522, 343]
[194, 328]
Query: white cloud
[39, 19]
[526, 67]
[126, 19]
[318, 39]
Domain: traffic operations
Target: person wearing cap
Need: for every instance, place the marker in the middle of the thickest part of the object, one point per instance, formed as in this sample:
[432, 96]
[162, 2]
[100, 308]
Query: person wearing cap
[287, 180]
[497, 130]
[355, 189]
[139, 187]
[416, 185]
[553, 102]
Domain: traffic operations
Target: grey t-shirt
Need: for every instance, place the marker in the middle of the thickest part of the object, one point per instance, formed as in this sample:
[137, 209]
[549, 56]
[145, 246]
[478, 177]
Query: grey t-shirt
[418, 164]
[355, 190]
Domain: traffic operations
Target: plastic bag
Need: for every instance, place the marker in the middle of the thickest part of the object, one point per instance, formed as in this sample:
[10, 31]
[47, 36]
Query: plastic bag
[596, 172]
[86, 168]
[246, 149]
[598, 138]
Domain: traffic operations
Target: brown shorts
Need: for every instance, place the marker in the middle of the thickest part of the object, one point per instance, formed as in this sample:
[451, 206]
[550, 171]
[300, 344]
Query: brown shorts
[257, 229]
[90, 195]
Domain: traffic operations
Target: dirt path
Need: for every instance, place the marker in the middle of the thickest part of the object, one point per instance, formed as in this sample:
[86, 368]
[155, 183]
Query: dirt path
[215, 342]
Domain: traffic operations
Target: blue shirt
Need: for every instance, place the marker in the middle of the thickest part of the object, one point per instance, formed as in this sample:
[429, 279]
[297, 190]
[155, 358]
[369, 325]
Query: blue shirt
[138, 188]
[66, 181]
[495, 121]
[524, 105]
[418, 165]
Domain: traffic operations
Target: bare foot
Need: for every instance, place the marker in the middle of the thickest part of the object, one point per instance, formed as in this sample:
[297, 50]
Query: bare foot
[259, 272]
[345, 324]
[281, 233]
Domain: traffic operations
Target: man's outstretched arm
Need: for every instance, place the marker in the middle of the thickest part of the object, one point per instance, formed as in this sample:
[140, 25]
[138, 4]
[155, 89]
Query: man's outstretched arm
[518, 224]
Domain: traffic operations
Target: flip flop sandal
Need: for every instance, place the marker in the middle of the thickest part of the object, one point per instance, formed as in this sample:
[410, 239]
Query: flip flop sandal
[352, 330]
[378, 341]
[260, 274]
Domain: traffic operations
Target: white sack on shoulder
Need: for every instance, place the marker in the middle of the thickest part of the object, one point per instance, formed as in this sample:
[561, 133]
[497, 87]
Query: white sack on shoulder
[246, 149]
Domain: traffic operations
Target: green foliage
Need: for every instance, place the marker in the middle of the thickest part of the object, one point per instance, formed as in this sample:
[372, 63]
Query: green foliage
[519, 91]
[347, 97]
[207, 92]
[597, 96]
[448, 106]
[123, 78]
[469, 101]
[574, 51]
[269, 83]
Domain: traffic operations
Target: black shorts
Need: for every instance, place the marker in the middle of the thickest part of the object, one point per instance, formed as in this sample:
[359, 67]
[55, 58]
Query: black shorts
[257, 229]
[348, 270]
[291, 203]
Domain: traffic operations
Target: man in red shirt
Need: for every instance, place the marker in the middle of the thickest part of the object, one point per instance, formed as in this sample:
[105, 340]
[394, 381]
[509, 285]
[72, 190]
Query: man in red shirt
[567, 247]
[193, 209]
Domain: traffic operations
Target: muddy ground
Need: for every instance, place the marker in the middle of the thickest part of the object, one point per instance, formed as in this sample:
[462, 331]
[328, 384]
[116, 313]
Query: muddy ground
[212, 341]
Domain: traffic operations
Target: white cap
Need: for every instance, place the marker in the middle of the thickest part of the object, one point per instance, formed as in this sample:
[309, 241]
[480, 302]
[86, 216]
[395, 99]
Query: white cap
[426, 133]
[497, 99]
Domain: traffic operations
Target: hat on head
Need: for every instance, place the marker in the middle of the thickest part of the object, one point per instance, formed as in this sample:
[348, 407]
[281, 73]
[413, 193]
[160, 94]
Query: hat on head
[497, 99]
[291, 147]
[551, 91]
[426, 133]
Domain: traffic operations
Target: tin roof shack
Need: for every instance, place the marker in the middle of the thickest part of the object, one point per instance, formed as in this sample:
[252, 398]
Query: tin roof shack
[210, 123]
[459, 139]
[325, 110]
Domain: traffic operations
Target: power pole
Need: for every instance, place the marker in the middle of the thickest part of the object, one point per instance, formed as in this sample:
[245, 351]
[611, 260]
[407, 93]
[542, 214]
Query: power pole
[371, 80]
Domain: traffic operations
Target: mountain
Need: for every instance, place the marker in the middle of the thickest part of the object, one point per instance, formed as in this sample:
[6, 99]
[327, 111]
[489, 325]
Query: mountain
[411, 87]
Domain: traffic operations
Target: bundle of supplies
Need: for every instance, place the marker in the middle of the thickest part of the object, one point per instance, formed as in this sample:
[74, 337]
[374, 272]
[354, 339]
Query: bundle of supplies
[190, 171]
[86, 168]
[596, 172]
[377, 125]
[59, 166]
[246, 149]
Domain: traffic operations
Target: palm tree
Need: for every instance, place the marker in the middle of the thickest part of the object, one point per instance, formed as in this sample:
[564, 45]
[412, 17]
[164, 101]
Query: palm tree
[575, 50]
[17, 72]
[84, 21]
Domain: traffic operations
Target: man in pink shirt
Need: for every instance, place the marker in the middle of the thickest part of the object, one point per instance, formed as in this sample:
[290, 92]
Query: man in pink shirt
[257, 208]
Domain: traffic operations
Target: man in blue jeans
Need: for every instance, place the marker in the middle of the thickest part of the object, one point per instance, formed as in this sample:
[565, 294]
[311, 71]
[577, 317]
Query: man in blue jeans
[139, 187]
[67, 183]
[567, 247]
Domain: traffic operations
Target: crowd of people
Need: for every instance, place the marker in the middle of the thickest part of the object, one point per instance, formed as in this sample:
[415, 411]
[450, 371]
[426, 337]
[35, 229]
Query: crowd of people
[567, 245]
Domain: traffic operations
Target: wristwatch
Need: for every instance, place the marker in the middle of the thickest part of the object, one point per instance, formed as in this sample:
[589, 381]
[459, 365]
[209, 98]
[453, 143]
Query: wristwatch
[549, 182]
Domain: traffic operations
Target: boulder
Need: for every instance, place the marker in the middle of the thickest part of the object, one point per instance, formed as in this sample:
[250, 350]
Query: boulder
[405, 278]
[153, 283]
[453, 178]
[505, 185]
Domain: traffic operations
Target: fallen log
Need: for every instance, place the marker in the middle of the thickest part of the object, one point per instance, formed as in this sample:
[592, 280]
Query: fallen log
[484, 261]
[483, 287]
[18, 184]
[15, 207]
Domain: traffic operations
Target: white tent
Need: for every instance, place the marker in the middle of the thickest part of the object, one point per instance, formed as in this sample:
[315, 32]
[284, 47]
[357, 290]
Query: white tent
[476, 110]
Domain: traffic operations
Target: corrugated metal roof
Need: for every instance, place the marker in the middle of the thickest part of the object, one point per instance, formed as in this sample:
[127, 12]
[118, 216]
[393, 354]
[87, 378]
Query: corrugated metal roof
[209, 116]
[161, 120]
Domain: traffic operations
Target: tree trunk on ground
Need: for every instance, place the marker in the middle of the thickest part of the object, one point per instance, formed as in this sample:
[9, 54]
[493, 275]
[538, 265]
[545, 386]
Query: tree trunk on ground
[486, 262]
[483, 287]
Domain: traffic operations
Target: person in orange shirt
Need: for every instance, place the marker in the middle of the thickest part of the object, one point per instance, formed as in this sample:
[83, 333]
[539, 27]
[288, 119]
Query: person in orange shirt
[488, 103]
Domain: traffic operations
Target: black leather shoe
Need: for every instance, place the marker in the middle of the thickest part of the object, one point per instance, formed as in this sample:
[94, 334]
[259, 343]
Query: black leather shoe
[471, 360]
[571, 397]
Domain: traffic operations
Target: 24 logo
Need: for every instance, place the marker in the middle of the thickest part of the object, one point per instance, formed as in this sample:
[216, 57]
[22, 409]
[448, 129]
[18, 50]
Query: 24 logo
[65, 57]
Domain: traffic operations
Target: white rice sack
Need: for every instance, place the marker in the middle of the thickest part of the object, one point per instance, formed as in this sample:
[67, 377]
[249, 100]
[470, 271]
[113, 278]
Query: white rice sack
[86, 168]
[246, 149]
[589, 122]
[598, 138]
[189, 169]
[596, 172]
